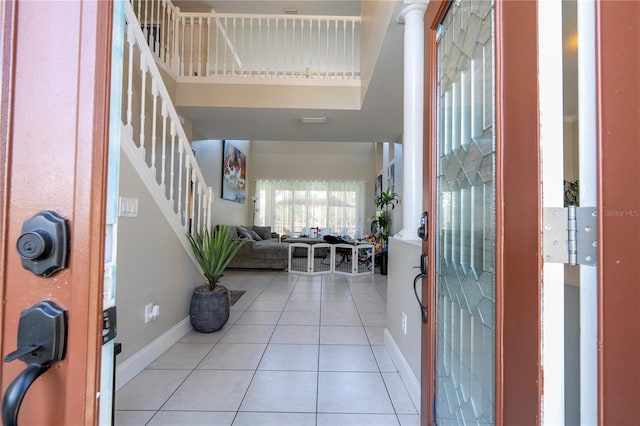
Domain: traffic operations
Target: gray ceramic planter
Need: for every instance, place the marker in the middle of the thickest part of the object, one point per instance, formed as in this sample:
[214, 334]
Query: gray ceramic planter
[209, 309]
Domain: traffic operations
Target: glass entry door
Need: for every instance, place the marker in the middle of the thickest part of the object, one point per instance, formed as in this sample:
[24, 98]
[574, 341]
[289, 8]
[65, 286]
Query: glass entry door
[466, 217]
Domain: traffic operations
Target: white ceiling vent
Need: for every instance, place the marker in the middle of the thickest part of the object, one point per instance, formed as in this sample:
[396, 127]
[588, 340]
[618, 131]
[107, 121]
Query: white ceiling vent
[316, 120]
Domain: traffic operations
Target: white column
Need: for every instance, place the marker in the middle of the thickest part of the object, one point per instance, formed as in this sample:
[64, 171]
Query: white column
[413, 18]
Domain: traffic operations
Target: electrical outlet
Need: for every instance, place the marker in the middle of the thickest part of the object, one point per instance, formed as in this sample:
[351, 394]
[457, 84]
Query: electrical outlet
[404, 323]
[155, 312]
[148, 313]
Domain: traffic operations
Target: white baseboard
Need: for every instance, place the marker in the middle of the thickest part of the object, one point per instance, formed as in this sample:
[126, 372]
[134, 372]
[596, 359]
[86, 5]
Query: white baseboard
[139, 361]
[408, 378]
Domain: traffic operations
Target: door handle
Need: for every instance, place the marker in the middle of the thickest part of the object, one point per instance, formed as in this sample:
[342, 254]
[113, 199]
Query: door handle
[42, 341]
[422, 274]
[16, 392]
[423, 233]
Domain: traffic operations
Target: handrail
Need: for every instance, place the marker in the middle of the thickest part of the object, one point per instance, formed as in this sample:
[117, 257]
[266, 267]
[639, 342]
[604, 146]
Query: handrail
[194, 198]
[274, 16]
[211, 44]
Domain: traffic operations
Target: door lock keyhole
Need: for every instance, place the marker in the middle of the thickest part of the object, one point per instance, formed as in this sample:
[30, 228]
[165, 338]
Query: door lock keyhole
[34, 245]
[44, 243]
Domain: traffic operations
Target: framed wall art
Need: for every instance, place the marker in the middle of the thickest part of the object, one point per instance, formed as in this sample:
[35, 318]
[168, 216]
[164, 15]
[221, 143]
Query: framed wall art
[378, 186]
[234, 173]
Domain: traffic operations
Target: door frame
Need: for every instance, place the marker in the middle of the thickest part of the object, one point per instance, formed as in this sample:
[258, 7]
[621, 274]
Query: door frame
[518, 375]
[53, 144]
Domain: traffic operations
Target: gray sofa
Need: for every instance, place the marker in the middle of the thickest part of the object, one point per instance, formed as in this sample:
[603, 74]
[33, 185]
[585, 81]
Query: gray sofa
[262, 249]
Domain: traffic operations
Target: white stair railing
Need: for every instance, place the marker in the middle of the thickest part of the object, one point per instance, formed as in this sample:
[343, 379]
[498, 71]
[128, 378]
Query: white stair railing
[250, 45]
[157, 20]
[157, 140]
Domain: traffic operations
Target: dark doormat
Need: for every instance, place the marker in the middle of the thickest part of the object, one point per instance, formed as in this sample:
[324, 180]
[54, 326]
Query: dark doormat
[234, 295]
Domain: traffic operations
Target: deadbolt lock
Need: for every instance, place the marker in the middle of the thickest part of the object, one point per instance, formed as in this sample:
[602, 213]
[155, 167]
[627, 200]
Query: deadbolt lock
[43, 245]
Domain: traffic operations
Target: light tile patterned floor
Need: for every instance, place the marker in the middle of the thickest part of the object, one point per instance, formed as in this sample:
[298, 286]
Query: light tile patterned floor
[297, 350]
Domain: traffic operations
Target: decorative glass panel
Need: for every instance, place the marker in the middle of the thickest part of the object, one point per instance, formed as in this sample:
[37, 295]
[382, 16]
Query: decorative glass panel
[465, 249]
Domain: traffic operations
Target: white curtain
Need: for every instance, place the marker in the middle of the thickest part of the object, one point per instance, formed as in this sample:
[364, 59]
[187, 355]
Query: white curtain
[298, 207]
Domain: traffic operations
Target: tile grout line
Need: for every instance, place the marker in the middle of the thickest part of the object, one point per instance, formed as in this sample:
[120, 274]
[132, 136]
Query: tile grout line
[193, 370]
[395, 412]
[255, 371]
[328, 288]
[235, 416]
[322, 281]
[186, 377]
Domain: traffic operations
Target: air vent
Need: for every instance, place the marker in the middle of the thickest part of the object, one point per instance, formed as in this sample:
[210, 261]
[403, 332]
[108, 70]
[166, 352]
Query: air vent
[316, 120]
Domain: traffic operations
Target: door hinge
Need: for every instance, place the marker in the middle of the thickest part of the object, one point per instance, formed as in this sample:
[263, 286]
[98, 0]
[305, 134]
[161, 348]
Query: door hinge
[570, 235]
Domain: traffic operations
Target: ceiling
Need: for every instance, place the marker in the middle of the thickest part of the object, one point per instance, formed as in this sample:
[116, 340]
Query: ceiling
[379, 119]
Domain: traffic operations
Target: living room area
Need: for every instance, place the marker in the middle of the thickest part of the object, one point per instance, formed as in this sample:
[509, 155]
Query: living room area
[301, 161]
[154, 268]
[303, 348]
[289, 215]
[297, 349]
[302, 189]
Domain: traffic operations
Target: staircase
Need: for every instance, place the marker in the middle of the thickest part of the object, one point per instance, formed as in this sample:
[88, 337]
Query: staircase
[155, 141]
[161, 41]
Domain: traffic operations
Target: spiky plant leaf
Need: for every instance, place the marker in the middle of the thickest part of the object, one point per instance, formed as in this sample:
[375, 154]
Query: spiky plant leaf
[214, 249]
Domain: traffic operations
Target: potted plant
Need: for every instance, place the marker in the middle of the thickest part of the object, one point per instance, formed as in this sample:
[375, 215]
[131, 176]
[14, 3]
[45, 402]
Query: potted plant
[213, 249]
[381, 223]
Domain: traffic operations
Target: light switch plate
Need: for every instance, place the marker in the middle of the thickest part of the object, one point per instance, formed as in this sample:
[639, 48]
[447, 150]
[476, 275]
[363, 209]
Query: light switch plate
[128, 207]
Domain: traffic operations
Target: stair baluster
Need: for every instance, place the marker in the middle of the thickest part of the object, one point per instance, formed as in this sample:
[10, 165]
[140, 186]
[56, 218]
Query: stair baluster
[143, 79]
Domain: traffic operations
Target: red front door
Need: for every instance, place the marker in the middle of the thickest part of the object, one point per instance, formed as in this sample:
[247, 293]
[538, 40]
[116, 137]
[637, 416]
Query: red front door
[53, 137]
[618, 115]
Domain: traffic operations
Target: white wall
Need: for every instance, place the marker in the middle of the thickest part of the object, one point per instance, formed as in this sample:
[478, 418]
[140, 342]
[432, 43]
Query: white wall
[403, 257]
[209, 156]
[313, 160]
[376, 16]
[267, 94]
[388, 153]
[153, 267]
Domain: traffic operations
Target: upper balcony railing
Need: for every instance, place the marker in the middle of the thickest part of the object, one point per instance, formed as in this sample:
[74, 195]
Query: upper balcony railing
[221, 45]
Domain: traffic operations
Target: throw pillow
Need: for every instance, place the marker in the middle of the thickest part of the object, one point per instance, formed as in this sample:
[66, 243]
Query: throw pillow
[233, 232]
[254, 235]
[263, 231]
[244, 233]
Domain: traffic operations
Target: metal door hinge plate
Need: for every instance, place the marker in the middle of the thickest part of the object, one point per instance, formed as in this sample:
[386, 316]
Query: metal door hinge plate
[570, 235]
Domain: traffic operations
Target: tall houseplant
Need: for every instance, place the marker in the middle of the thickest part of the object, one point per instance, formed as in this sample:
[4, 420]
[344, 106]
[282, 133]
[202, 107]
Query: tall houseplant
[381, 222]
[213, 249]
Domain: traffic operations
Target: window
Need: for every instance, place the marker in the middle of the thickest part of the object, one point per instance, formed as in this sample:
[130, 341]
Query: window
[294, 207]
